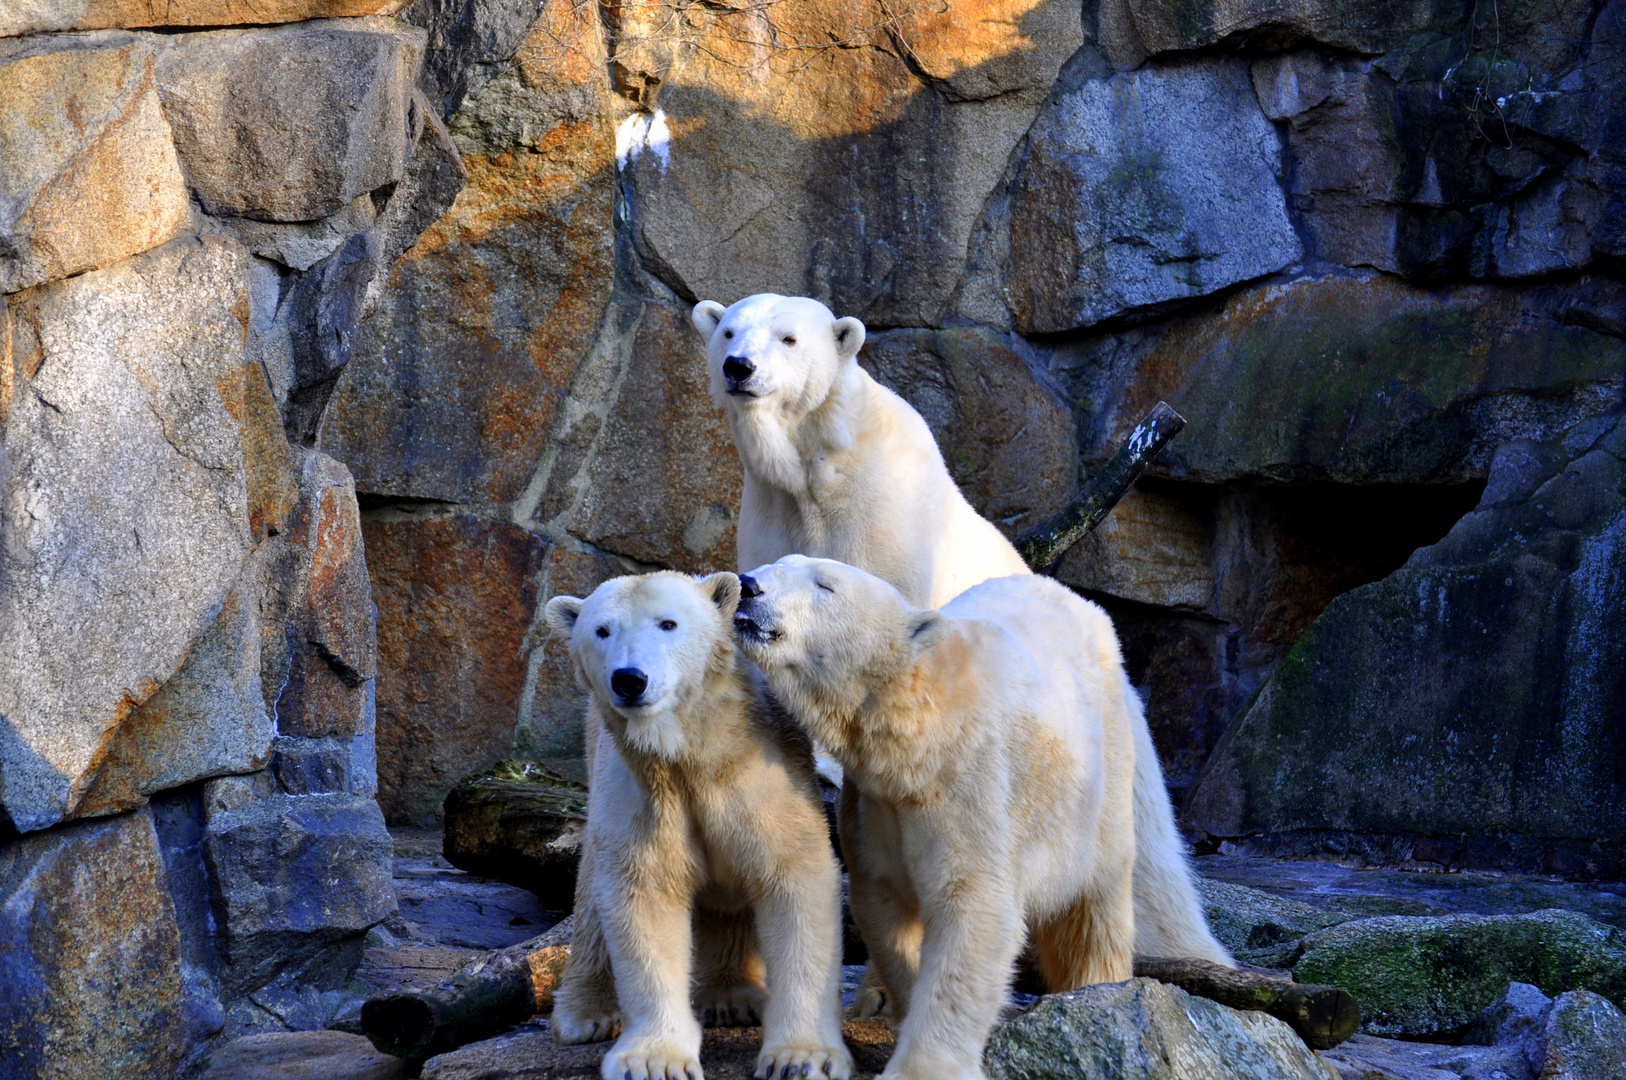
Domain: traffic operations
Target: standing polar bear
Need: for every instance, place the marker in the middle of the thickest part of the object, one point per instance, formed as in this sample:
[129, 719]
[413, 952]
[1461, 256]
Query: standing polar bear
[990, 750]
[838, 466]
[706, 843]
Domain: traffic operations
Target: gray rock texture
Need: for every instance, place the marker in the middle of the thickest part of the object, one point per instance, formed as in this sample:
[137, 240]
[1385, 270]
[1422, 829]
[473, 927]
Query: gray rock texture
[1133, 190]
[291, 124]
[1143, 1028]
[1586, 1039]
[295, 875]
[126, 521]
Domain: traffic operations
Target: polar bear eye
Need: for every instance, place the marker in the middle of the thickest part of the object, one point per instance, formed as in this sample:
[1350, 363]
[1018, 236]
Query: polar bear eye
[789, 339]
[668, 624]
[729, 334]
[603, 631]
[825, 587]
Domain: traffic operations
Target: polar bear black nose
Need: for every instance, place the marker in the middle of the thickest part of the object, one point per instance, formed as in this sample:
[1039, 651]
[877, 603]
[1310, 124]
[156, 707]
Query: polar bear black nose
[738, 368]
[749, 587]
[628, 682]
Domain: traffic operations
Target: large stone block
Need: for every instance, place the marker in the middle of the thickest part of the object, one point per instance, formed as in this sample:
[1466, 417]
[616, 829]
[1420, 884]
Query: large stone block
[460, 370]
[1007, 439]
[1132, 191]
[47, 16]
[82, 140]
[90, 956]
[1487, 665]
[126, 518]
[291, 124]
[1147, 1030]
[455, 597]
[1359, 379]
[863, 179]
[295, 875]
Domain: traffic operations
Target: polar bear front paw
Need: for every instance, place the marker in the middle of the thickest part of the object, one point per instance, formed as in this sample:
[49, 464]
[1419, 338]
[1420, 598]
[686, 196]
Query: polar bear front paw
[585, 1027]
[788, 1060]
[733, 1006]
[651, 1059]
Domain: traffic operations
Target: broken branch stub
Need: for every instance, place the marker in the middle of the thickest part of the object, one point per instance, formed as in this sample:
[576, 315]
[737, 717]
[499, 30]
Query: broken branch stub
[1048, 541]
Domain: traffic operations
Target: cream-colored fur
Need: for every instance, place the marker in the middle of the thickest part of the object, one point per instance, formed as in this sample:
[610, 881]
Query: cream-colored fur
[706, 861]
[837, 465]
[992, 751]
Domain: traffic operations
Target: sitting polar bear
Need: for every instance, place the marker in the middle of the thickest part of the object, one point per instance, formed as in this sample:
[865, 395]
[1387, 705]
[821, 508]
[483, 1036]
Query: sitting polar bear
[992, 750]
[837, 465]
[703, 817]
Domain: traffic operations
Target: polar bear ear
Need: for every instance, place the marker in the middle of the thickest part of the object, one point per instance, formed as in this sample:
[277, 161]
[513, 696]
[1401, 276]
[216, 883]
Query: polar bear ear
[724, 590]
[927, 628]
[849, 337]
[561, 614]
[707, 315]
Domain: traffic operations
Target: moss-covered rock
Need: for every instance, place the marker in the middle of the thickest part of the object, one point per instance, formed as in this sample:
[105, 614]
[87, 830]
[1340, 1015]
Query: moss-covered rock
[1146, 1030]
[1257, 926]
[518, 822]
[1472, 700]
[1419, 977]
[1586, 1039]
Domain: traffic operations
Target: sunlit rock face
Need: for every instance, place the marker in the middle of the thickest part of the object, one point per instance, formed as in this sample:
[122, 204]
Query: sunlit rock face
[190, 224]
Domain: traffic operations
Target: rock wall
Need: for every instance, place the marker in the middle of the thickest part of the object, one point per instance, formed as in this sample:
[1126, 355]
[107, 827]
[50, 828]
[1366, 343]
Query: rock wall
[1372, 253]
[190, 224]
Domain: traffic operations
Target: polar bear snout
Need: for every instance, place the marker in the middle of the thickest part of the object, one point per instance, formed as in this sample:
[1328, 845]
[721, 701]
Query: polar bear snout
[629, 685]
[737, 372]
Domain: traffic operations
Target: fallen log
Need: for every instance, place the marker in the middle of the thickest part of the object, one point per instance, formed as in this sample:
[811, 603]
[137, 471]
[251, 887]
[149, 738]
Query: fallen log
[1046, 542]
[1323, 1016]
[486, 996]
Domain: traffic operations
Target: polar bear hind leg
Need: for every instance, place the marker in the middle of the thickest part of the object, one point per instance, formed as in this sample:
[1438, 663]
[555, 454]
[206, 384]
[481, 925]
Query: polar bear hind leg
[1092, 941]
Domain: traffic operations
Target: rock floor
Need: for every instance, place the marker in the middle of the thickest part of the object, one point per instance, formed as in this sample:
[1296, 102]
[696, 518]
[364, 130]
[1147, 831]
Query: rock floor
[447, 915]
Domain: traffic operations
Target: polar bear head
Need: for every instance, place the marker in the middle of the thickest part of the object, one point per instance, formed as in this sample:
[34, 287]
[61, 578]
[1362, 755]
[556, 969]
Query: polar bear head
[820, 630]
[646, 646]
[783, 353]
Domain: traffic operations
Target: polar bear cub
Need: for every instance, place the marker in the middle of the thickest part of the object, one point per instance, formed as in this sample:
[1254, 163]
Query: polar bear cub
[837, 465]
[706, 844]
[992, 751]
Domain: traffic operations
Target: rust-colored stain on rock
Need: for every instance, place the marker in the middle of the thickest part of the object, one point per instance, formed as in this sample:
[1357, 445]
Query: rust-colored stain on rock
[455, 597]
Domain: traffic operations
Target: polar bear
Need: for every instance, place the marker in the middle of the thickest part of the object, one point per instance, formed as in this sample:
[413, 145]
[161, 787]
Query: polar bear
[703, 819]
[991, 750]
[837, 465]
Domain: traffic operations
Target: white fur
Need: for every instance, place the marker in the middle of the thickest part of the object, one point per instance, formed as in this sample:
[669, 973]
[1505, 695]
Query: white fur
[706, 858]
[994, 750]
[837, 465]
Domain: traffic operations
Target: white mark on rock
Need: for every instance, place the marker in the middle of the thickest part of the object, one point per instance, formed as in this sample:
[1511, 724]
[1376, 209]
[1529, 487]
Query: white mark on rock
[640, 132]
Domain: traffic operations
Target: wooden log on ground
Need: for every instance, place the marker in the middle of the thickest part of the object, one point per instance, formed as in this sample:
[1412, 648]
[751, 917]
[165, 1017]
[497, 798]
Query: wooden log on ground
[486, 996]
[1323, 1016]
[1043, 544]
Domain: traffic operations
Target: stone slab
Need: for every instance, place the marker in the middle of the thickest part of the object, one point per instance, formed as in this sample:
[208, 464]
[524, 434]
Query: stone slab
[126, 511]
[291, 123]
[83, 137]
